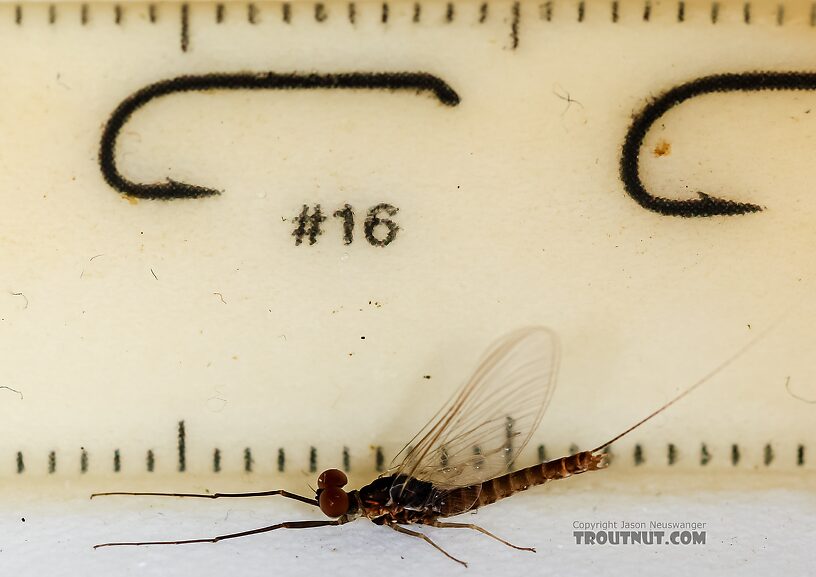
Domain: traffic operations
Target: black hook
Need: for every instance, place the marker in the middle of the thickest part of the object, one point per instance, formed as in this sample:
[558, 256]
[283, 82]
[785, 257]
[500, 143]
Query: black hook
[171, 189]
[705, 205]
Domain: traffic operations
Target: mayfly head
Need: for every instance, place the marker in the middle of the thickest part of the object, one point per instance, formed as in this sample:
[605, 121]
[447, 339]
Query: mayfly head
[333, 500]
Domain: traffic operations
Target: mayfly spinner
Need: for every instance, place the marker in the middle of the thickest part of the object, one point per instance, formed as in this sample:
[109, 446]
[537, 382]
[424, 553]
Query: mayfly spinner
[458, 462]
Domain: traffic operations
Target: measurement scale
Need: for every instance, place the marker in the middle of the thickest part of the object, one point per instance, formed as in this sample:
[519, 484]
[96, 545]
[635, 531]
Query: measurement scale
[242, 238]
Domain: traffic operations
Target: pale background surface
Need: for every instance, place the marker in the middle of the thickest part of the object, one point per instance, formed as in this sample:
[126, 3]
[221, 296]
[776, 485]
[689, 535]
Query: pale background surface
[511, 211]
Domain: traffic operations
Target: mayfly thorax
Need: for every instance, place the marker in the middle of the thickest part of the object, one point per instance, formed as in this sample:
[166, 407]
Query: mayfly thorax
[458, 462]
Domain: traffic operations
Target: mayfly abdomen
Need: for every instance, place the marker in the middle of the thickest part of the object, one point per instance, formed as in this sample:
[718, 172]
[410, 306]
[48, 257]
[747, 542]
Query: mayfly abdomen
[521, 480]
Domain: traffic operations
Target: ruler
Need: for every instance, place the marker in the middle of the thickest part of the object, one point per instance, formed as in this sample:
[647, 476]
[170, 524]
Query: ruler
[269, 238]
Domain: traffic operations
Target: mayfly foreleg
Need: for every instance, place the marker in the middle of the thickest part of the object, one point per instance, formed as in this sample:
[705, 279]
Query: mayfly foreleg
[482, 530]
[282, 493]
[425, 538]
[286, 525]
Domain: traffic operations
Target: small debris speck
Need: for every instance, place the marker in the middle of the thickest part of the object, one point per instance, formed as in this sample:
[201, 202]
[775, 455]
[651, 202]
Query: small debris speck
[663, 148]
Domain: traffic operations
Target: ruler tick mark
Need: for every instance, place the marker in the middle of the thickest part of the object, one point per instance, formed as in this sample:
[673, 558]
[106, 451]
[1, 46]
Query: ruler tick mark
[715, 12]
[705, 456]
[252, 13]
[346, 459]
[150, 461]
[117, 461]
[219, 13]
[20, 463]
[384, 15]
[813, 14]
[217, 461]
[515, 22]
[800, 456]
[248, 460]
[581, 11]
[182, 447]
[117, 14]
[313, 460]
[417, 13]
[286, 11]
[681, 11]
[83, 461]
[768, 455]
[450, 12]
[52, 463]
[379, 460]
[735, 454]
[352, 13]
[647, 11]
[780, 15]
[615, 11]
[483, 13]
[746, 12]
[320, 12]
[638, 455]
[52, 14]
[18, 14]
[185, 27]
[152, 13]
[281, 460]
[83, 14]
[546, 11]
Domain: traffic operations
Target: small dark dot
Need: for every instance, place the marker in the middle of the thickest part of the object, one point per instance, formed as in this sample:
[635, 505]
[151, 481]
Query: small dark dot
[426, 376]
[22, 519]
[362, 338]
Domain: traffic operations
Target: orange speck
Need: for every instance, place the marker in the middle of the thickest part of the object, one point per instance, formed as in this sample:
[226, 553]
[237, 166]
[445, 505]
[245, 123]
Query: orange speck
[663, 148]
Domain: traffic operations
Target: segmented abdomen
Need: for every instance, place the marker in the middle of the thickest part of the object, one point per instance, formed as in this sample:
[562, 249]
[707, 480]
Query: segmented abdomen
[504, 486]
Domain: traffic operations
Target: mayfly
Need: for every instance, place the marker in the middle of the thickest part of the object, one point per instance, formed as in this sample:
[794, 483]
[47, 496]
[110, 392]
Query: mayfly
[459, 461]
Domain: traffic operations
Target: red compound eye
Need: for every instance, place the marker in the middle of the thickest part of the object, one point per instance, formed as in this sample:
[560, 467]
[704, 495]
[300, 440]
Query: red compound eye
[334, 501]
[332, 478]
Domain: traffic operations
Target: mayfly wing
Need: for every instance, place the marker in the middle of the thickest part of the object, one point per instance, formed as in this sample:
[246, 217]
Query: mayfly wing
[479, 433]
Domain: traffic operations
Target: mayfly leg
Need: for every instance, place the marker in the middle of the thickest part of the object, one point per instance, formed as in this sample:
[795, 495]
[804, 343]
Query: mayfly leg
[482, 530]
[425, 538]
[280, 492]
[286, 525]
